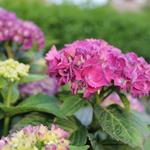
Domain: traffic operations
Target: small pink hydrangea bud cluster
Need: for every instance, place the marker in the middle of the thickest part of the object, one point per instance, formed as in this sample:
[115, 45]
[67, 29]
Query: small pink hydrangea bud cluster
[36, 138]
[48, 86]
[92, 64]
[22, 32]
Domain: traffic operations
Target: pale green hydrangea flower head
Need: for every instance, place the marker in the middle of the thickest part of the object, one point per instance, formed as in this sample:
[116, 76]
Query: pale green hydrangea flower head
[12, 70]
[36, 138]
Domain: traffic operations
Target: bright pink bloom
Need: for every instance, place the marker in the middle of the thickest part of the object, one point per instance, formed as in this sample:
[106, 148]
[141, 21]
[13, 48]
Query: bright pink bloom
[91, 64]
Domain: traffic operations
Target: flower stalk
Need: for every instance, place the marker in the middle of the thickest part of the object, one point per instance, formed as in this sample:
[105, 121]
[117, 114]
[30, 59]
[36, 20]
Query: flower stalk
[7, 104]
[9, 51]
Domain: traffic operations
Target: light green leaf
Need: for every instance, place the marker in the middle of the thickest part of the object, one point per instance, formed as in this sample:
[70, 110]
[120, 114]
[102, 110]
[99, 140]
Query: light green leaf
[32, 78]
[38, 103]
[3, 82]
[147, 144]
[72, 104]
[15, 94]
[79, 147]
[122, 125]
[72, 147]
[69, 124]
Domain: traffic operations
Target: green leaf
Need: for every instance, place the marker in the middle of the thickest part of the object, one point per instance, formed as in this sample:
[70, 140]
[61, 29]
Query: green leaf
[69, 124]
[147, 144]
[38, 103]
[72, 147]
[15, 94]
[72, 104]
[32, 78]
[66, 87]
[119, 147]
[32, 119]
[79, 137]
[62, 95]
[1, 115]
[124, 100]
[122, 125]
[96, 145]
[4, 92]
[100, 141]
[3, 82]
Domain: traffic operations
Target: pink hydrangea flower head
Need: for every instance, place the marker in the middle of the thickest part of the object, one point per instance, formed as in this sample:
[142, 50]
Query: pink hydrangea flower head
[91, 64]
[60, 132]
[25, 33]
[47, 86]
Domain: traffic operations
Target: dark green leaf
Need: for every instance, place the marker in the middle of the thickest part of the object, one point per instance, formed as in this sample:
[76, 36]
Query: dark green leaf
[96, 145]
[1, 115]
[122, 125]
[79, 137]
[119, 147]
[124, 100]
[99, 142]
[32, 119]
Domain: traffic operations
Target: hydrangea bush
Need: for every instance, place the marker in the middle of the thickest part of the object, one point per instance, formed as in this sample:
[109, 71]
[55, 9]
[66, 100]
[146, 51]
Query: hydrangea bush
[24, 33]
[18, 36]
[92, 93]
[106, 84]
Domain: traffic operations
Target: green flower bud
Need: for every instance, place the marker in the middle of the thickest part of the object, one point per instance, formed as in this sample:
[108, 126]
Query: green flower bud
[12, 70]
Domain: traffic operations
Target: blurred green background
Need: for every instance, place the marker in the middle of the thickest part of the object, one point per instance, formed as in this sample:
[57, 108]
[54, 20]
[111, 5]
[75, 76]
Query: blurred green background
[65, 23]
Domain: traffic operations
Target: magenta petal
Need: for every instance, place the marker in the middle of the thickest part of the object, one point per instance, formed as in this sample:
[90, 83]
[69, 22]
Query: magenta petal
[51, 54]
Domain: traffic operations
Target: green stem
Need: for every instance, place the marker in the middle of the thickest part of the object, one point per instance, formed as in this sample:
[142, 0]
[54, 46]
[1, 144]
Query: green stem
[9, 51]
[107, 94]
[97, 99]
[7, 104]
[103, 95]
